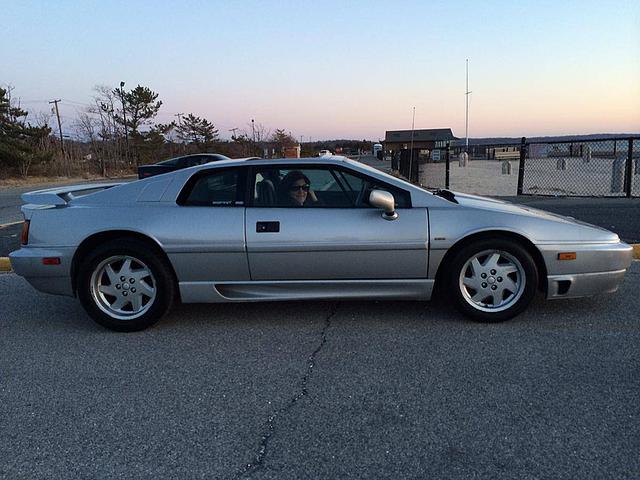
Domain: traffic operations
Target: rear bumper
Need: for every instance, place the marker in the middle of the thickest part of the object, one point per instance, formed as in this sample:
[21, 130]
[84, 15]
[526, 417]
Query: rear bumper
[55, 279]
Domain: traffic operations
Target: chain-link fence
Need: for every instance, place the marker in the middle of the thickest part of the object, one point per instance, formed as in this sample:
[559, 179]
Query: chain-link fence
[590, 168]
[426, 167]
[490, 169]
[582, 168]
[635, 179]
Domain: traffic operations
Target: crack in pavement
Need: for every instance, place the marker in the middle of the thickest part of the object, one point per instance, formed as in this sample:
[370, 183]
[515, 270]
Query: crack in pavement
[269, 429]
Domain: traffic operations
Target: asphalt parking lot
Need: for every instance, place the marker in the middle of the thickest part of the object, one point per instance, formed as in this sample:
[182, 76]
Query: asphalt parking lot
[321, 390]
[324, 390]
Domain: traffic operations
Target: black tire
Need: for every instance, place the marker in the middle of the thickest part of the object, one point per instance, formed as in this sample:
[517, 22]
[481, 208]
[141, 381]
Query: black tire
[492, 297]
[160, 284]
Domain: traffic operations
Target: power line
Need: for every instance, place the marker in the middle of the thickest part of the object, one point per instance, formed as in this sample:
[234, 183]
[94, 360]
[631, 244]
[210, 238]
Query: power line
[77, 103]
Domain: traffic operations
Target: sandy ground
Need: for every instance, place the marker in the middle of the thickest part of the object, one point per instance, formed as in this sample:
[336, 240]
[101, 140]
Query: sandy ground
[543, 176]
[482, 177]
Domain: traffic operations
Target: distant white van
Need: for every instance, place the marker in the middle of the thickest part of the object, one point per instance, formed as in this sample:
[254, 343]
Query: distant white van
[377, 147]
[325, 153]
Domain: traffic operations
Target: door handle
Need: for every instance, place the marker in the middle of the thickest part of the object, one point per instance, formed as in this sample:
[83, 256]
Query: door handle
[267, 227]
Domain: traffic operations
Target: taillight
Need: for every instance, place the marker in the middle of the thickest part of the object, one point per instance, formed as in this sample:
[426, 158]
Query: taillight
[24, 235]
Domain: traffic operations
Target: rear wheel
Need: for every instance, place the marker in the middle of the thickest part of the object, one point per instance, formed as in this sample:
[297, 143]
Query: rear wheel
[493, 280]
[124, 286]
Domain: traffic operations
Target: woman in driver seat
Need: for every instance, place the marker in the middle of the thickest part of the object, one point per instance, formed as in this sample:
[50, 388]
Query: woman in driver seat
[295, 190]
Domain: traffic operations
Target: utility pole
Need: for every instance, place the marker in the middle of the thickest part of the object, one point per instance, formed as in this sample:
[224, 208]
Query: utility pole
[179, 117]
[466, 117]
[413, 123]
[55, 102]
[233, 133]
[253, 137]
[124, 117]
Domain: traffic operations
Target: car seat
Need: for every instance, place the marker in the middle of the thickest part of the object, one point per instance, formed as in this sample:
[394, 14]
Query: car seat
[265, 193]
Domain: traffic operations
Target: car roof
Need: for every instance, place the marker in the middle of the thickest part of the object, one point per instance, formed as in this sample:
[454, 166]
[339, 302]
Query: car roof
[202, 155]
[214, 156]
[333, 160]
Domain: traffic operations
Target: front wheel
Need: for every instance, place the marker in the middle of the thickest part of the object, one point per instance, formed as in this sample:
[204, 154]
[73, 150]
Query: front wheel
[124, 286]
[493, 280]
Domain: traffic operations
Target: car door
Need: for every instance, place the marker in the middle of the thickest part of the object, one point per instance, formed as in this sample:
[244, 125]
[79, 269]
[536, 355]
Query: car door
[206, 240]
[336, 237]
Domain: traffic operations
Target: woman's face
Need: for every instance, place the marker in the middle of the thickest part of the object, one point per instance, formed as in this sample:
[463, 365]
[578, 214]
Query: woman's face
[298, 191]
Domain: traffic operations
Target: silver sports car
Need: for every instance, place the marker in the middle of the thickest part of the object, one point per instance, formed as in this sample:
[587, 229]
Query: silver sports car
[315, 228]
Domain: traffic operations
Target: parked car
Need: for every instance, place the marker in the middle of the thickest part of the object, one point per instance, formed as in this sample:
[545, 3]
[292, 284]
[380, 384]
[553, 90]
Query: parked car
[177, 163]
[325, 153]
[315, 228]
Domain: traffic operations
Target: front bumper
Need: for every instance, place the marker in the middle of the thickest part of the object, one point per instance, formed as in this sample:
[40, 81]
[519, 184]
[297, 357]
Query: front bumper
[55, 279]
[598, 268]
[583, 284]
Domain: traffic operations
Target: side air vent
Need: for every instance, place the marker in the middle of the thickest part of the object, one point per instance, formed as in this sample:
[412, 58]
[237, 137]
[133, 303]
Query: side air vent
[563, 286]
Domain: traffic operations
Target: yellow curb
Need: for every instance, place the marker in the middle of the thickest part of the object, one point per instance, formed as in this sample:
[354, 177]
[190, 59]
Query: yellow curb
[3, 225]
[636, 251]
[5, 264]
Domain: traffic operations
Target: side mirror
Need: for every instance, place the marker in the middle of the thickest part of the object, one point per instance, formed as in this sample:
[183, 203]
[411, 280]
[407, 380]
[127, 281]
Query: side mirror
[384, 201]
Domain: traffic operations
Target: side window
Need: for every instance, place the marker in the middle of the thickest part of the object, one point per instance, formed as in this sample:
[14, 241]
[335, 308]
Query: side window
[214, 189]
[173, 162]
[304, 187]
[200, 160]
[194, 160]
[360, 188]
[318, 187]
[191, 161]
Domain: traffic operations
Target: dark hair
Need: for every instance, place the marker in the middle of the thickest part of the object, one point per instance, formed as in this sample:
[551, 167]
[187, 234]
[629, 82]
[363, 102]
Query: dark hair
[289, 179]
[292, 177]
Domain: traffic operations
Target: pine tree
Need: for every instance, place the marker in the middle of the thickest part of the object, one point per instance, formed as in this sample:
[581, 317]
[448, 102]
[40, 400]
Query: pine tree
[197, 131]
[18, 139]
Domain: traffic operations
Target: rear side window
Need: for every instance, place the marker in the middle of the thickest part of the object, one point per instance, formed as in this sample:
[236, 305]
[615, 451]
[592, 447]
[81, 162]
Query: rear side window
[193, 161]
[174, 162]
[222, 188]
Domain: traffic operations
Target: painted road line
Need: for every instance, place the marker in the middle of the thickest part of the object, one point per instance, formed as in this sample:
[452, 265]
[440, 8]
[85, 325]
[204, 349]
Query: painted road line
[5, 264]
[10, 224]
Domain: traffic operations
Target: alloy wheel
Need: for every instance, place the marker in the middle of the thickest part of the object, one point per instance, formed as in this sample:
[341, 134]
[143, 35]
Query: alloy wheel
[492, 280]
[123, 287]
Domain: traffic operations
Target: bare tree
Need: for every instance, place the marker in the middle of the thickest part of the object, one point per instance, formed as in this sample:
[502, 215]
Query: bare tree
[89, 126]
[255, 137]
[110, 134]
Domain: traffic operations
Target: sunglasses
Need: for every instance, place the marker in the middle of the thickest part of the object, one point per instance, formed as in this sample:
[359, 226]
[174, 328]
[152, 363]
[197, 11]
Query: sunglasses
[297, 188]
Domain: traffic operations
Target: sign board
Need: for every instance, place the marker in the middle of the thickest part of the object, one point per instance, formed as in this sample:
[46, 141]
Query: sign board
[435, 155]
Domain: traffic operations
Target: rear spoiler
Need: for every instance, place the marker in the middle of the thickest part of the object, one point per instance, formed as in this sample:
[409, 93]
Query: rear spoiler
[63, 195]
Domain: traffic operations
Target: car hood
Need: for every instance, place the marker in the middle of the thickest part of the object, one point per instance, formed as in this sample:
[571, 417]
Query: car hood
[502, 206]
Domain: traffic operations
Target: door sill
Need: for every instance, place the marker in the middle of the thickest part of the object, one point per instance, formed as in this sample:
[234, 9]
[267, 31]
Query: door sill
[403, 289]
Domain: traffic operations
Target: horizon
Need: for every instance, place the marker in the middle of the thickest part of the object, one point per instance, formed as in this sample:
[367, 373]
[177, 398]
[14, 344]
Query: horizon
[332, 71]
